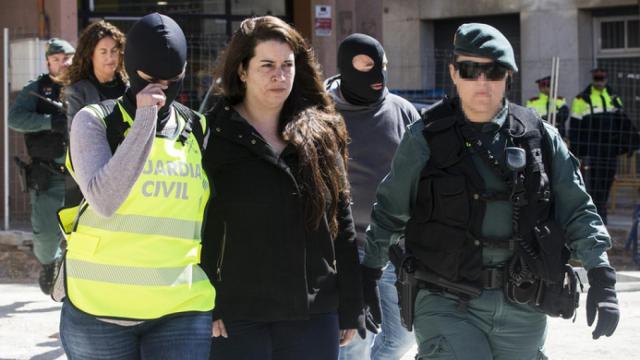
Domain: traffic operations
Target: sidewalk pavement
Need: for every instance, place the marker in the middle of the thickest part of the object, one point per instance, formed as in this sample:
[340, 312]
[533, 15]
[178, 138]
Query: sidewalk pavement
[29, 320]
[29, 326]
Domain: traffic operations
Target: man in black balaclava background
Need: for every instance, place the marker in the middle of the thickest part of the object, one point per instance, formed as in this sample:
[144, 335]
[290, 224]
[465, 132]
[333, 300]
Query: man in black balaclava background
[125, 155]
[376, 121]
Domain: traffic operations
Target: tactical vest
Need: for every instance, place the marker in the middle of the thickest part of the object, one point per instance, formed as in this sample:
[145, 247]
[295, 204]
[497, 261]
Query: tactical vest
[143, 261]
[46, 145]
[444, 230]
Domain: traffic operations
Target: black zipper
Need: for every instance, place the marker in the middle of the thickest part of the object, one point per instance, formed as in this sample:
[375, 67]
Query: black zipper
[222, 250]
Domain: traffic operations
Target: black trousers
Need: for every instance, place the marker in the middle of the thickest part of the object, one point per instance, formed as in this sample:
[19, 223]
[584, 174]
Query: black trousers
[313, 339]
[599, 178]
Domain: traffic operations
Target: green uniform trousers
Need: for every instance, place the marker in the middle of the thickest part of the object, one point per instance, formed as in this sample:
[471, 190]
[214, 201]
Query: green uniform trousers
[44, 220]
[488, 328]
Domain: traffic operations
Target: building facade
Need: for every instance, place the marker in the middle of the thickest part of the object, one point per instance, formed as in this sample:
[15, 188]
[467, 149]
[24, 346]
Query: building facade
[417, 36]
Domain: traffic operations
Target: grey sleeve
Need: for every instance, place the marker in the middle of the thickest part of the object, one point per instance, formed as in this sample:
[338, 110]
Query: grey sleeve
[104, 178]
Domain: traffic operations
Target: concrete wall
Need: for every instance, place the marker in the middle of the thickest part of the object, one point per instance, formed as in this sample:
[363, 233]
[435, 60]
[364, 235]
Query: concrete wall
[438, 9]
[325, 46]
[548, 28]
[405, 40]
[349, 16]
[546, 34]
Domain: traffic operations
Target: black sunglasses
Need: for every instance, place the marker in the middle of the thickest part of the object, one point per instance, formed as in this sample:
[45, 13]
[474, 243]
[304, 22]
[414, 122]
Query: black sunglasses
[470, 70]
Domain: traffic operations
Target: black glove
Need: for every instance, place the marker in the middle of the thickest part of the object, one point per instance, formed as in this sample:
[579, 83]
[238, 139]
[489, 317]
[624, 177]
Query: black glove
[59, 123]
[602, 298]
[371, 295]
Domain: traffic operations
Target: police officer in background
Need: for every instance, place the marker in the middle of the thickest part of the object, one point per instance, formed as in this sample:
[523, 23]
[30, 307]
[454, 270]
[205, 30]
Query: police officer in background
[600, 131]
[490, 202]
[542, 104]
[44, 125]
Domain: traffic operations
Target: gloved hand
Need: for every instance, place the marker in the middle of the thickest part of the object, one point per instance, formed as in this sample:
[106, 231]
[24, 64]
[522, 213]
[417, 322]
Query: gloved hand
[601, 298]
[371, 294]
[59, 123]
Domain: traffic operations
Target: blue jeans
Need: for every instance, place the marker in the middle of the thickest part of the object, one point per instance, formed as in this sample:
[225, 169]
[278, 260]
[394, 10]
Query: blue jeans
[313, 339]
[394, 340]
[180, 336]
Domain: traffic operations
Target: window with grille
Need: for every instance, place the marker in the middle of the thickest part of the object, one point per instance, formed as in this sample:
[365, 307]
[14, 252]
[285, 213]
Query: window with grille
[617, 36]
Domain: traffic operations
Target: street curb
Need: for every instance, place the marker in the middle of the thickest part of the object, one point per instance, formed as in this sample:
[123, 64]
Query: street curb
[16, 238]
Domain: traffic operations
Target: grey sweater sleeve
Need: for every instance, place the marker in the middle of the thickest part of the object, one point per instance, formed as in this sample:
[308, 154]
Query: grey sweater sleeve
[104, 178]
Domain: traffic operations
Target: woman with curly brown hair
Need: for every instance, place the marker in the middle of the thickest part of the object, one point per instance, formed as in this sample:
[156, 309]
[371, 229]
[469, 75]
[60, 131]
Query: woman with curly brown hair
[97, 72]
[279, 241]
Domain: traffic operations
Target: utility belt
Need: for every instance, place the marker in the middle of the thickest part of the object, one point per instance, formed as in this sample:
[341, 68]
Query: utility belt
[557, 299]
[37, 174]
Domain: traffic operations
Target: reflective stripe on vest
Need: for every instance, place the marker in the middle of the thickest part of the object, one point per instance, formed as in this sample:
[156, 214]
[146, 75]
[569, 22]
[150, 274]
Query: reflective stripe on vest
[581, 108]
[541, 103]
[142, 262]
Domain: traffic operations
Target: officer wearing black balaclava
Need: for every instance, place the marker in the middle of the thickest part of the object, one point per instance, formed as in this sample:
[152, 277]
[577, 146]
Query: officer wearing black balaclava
[362, 87]
[156, 46]
[375, 120]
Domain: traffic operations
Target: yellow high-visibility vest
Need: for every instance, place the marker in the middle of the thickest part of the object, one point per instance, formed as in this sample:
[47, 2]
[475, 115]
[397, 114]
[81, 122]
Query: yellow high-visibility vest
[599, 101]
[541, 102]
[143, 261]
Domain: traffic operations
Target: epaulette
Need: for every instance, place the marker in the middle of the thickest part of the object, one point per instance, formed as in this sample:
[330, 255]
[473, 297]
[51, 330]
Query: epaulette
[534, 98]
[560, 97]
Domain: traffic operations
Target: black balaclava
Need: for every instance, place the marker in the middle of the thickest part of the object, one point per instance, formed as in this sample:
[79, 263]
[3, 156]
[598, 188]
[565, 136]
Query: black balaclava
[155, 45]
[355, 85]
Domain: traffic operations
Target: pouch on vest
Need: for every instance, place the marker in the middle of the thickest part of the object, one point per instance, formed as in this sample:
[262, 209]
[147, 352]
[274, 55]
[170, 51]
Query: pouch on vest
[553, 253]
[67, 219]
[442, 208]
[560, 299]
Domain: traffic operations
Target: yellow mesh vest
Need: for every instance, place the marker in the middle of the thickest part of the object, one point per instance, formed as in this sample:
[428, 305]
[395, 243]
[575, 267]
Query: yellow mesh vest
[143, 261]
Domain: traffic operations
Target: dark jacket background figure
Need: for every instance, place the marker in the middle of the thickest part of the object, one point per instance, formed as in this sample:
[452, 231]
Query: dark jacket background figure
[78, 95]
[375, 131]
[90, 91]
[264, 263]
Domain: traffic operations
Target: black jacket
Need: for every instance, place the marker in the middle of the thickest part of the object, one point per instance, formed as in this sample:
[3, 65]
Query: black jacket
[262, 260]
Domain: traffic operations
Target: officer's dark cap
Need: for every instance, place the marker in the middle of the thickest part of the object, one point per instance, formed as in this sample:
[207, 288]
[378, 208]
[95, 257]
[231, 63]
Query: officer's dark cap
[483, 40]
[544, 81]
[599, 73]
[59, 46]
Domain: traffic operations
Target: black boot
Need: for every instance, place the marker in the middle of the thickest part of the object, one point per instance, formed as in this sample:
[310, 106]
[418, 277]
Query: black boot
[47, 277]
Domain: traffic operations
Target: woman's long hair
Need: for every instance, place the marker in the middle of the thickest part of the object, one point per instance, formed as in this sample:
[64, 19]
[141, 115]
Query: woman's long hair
[308, 119]
[82, 65]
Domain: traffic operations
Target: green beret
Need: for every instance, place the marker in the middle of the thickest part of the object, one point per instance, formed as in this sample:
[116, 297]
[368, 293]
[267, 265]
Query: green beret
[57, 46]
[485, 41]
